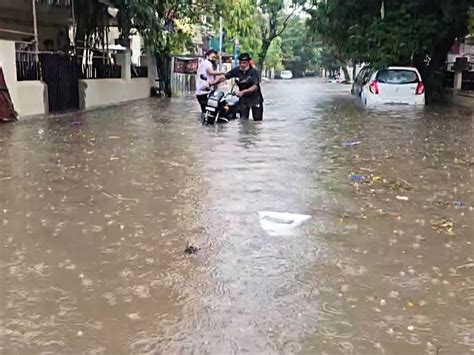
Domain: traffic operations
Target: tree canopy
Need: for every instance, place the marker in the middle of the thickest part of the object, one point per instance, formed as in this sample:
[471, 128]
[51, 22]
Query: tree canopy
[274, 17]
[390, 31]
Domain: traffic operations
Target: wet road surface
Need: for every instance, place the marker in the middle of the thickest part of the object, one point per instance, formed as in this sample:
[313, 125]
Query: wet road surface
[96, 216]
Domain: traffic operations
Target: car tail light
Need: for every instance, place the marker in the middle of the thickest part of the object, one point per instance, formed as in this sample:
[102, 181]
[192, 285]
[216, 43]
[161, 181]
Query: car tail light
[420, 88]
[374, 87]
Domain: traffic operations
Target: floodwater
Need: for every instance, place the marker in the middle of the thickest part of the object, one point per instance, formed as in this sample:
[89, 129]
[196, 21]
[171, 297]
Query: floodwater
[98, 208]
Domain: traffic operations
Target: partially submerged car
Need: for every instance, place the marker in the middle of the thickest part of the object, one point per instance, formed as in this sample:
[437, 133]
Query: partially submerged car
[392, 85]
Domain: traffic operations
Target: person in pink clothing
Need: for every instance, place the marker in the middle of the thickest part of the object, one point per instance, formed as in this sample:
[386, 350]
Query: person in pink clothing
[206, 74]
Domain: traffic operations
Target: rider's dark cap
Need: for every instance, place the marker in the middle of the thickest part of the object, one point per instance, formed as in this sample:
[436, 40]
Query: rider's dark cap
[245, 57]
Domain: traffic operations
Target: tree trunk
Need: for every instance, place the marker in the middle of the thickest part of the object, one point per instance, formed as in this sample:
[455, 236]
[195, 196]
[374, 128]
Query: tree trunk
[263, 54]
[346, 73]
[354, 70]
[163, 66]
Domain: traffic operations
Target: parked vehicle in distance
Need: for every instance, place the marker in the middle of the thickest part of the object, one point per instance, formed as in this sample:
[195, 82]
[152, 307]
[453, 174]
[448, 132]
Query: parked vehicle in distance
[393, 85]
[286, 74]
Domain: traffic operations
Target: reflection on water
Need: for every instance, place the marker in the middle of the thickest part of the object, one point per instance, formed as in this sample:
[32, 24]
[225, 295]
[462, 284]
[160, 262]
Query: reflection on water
[96, 216]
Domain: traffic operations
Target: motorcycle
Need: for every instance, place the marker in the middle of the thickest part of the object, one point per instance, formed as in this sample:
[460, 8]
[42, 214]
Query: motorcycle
[221, 107]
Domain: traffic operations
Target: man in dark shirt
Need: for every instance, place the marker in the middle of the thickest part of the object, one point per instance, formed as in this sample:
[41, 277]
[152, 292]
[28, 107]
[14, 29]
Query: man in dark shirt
[247, 79]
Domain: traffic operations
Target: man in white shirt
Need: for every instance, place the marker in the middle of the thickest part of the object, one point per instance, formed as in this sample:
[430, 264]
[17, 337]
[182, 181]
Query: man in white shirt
[206, 75]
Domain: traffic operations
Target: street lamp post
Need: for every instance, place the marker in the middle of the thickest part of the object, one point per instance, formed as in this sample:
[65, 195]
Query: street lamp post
[35, 26]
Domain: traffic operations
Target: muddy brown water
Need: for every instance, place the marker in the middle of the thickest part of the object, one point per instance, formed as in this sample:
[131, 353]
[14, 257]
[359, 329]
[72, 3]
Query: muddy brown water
[96, 217]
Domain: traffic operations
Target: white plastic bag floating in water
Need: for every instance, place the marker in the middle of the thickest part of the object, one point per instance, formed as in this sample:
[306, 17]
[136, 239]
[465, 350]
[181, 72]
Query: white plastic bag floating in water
[281, 223]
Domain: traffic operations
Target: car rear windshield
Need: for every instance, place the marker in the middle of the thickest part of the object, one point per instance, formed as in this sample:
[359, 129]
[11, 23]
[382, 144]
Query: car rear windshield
[393, 76]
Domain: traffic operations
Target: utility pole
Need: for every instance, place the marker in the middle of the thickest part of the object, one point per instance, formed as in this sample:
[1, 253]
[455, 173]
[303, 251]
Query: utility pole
[73, 13]
[221, 26]
[35, 27]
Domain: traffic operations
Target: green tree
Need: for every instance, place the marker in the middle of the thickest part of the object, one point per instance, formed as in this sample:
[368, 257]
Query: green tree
[273, 21]
[328, 60]
[274, 55]
[156, 22]
[240, 22]
[297, 47]
[385, 32]
[91, 21]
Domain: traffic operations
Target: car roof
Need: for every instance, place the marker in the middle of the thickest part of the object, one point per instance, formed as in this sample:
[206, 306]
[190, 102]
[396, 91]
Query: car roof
[401, 68]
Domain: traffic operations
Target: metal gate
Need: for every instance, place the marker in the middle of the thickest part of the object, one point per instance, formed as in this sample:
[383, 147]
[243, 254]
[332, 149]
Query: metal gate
[61, 73]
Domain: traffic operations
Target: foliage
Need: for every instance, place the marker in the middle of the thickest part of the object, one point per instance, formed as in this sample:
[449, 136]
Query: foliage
[399, 32]
[387, 32]
[274, 55]
[91, 19]
[326, 59]
[298, 50]
[273, 21]
[239, 22]
[164, 25]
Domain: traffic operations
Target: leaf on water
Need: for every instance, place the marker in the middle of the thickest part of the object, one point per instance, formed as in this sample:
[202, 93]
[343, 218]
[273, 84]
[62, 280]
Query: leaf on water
[134, 316]
[443, 224]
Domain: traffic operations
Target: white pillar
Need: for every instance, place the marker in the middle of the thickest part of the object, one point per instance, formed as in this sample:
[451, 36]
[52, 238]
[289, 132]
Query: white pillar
[124, 59]
[458, 80]
[150, 62]
[35, 26]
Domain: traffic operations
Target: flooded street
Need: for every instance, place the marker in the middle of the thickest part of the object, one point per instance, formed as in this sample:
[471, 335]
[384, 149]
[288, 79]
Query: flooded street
[98, 208]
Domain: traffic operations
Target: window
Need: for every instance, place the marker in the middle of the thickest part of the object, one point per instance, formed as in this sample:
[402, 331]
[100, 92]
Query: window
[397, 76]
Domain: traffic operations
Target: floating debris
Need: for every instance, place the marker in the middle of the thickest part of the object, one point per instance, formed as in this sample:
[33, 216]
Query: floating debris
[281, 223]
[191, 249]
[465, 266]
[350, 143]
[356, 177]
[134, 316]
[402, 198]
[372, 180]
[443, 225]
[458, 204]
[394, 294]
[76, 123]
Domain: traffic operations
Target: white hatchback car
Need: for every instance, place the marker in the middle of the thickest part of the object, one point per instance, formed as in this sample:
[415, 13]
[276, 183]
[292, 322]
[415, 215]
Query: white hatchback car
[286, 74]
[394, 85]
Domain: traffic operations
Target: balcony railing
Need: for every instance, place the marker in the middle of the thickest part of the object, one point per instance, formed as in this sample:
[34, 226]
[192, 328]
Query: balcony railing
[101, 71]
[27, 66]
